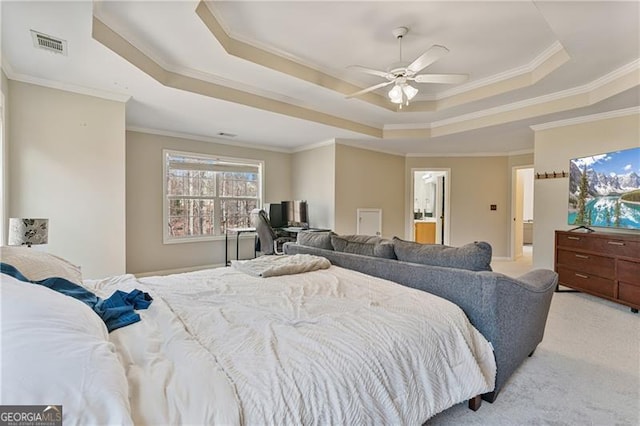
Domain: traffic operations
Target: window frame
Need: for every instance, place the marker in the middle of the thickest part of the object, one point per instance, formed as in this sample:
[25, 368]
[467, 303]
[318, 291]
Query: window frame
[168, 239]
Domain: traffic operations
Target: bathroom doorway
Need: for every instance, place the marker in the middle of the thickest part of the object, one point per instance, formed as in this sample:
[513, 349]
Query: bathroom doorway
[429, 213]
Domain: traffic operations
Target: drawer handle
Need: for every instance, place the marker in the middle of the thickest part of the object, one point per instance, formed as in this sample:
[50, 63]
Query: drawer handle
[615, 243]
[573, 238]
[581, 276]
[582, 256]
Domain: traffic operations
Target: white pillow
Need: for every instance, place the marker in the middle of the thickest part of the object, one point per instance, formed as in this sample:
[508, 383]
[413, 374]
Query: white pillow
[55, 350]
[37, 265]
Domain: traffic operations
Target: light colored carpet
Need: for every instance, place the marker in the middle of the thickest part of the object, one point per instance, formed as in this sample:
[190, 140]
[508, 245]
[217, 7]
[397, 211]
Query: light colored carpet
[586, 371]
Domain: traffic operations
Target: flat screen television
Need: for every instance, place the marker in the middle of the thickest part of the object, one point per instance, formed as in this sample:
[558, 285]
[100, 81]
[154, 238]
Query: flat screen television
[604, 190]
[277, 217]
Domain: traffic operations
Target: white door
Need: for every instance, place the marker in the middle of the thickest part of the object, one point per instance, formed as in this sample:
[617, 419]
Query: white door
[369, 222]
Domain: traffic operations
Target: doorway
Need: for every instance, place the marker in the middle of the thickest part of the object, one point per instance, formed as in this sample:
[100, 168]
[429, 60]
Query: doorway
[429, 209]
[522, 212]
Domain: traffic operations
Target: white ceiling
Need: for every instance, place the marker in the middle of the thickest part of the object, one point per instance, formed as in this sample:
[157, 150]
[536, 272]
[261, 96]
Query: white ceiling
[486, 40]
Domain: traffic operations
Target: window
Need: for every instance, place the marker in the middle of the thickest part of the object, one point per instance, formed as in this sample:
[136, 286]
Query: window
[204, 195]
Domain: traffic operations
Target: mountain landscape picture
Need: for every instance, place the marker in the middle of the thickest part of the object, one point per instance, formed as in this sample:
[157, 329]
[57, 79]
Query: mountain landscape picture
[604, 190]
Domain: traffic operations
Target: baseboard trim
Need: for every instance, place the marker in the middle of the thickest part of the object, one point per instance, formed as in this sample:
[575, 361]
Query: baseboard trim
[501, 259]
[177, 270]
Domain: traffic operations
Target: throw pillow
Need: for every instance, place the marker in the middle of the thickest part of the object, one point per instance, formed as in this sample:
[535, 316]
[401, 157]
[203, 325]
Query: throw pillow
[473, 256]
[37, 265]
[364, 245]
[320, 240]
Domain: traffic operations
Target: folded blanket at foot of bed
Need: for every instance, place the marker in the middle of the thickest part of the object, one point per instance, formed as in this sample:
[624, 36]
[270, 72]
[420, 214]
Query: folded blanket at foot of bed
[272, 266]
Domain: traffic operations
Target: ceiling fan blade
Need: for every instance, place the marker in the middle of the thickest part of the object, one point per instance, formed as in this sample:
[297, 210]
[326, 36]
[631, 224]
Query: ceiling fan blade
[441, 78]
[366, 70]
[434, 53]
[369, 89]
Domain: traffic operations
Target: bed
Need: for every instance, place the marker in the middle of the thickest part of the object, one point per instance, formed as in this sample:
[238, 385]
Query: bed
[221, 346]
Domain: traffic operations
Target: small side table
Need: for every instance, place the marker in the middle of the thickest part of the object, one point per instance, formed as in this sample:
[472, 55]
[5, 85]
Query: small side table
[237, 232]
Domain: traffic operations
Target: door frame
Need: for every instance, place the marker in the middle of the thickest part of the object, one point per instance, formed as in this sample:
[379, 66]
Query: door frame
[512, 218]
[409, 228]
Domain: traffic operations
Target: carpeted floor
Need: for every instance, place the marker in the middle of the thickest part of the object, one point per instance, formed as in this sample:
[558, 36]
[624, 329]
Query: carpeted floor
[586, 371]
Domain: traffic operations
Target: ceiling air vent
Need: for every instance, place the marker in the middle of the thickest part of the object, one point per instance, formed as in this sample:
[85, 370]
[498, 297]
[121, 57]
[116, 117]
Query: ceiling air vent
[46, 42]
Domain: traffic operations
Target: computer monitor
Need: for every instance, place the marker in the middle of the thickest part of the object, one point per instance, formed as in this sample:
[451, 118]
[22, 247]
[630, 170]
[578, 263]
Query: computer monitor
[277, 215]
[296, 213]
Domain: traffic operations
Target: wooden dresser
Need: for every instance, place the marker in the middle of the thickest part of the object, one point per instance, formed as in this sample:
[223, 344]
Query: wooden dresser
[603, 264]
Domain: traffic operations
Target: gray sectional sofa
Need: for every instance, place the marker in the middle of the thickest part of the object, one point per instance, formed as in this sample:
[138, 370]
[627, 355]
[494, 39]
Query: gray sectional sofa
[511, 313]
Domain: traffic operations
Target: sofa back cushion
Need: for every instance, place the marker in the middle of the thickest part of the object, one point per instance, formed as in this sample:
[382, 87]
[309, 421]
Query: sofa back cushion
[315, 239]
[473, 256]
[364, 245]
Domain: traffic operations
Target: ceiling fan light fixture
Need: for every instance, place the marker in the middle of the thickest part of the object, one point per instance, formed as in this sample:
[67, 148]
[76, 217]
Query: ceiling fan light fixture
[401, 73]
[395, 94]
[409, 91]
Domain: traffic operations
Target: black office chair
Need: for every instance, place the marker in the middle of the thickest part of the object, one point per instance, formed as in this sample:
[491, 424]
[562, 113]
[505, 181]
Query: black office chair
[270, 241]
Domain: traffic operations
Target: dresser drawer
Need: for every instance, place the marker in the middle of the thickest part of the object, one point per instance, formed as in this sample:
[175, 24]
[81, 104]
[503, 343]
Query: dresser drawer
[597, 265]
[629, 293]
[577, 241]
[629, 272]
[616, 247]
[583, 281]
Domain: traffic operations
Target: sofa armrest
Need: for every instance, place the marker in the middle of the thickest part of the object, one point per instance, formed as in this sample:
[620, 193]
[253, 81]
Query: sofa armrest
[521, 309]
[539, 280]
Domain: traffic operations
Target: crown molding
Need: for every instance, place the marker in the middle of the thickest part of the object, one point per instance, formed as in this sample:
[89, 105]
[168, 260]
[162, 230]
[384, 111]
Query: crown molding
[195, 82]
[209, 139]
[320, 144]
[119, 45]
[497, 78]
[280, 63]
[587, 119]
[405, 126]
[580, 90]
[189, 72]
[472, 154]
[67, 87]
[284, 62]
[360, 145]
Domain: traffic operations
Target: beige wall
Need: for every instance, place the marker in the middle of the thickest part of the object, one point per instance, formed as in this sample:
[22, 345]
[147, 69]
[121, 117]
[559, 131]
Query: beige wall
[368, 179]
[554, 148]
[475, 184]
[145, 249]
[66, 163]
[313, 179]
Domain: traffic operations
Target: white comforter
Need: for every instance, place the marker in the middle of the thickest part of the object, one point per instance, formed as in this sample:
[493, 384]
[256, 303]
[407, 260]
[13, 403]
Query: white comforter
[325, 347]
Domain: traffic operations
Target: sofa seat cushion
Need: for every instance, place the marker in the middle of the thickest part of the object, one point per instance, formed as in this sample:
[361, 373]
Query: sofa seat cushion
[364, 245]
[474, 256]
[320, 240]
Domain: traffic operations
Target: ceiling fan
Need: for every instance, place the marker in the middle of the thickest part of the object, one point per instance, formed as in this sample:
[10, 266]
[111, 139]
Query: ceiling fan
[400, 74]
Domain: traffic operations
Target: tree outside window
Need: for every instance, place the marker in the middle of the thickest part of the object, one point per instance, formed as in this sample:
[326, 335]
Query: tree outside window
[206, 195]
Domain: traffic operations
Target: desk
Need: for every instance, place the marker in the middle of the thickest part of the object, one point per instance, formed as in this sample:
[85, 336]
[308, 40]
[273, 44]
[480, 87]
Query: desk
[237, 232]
